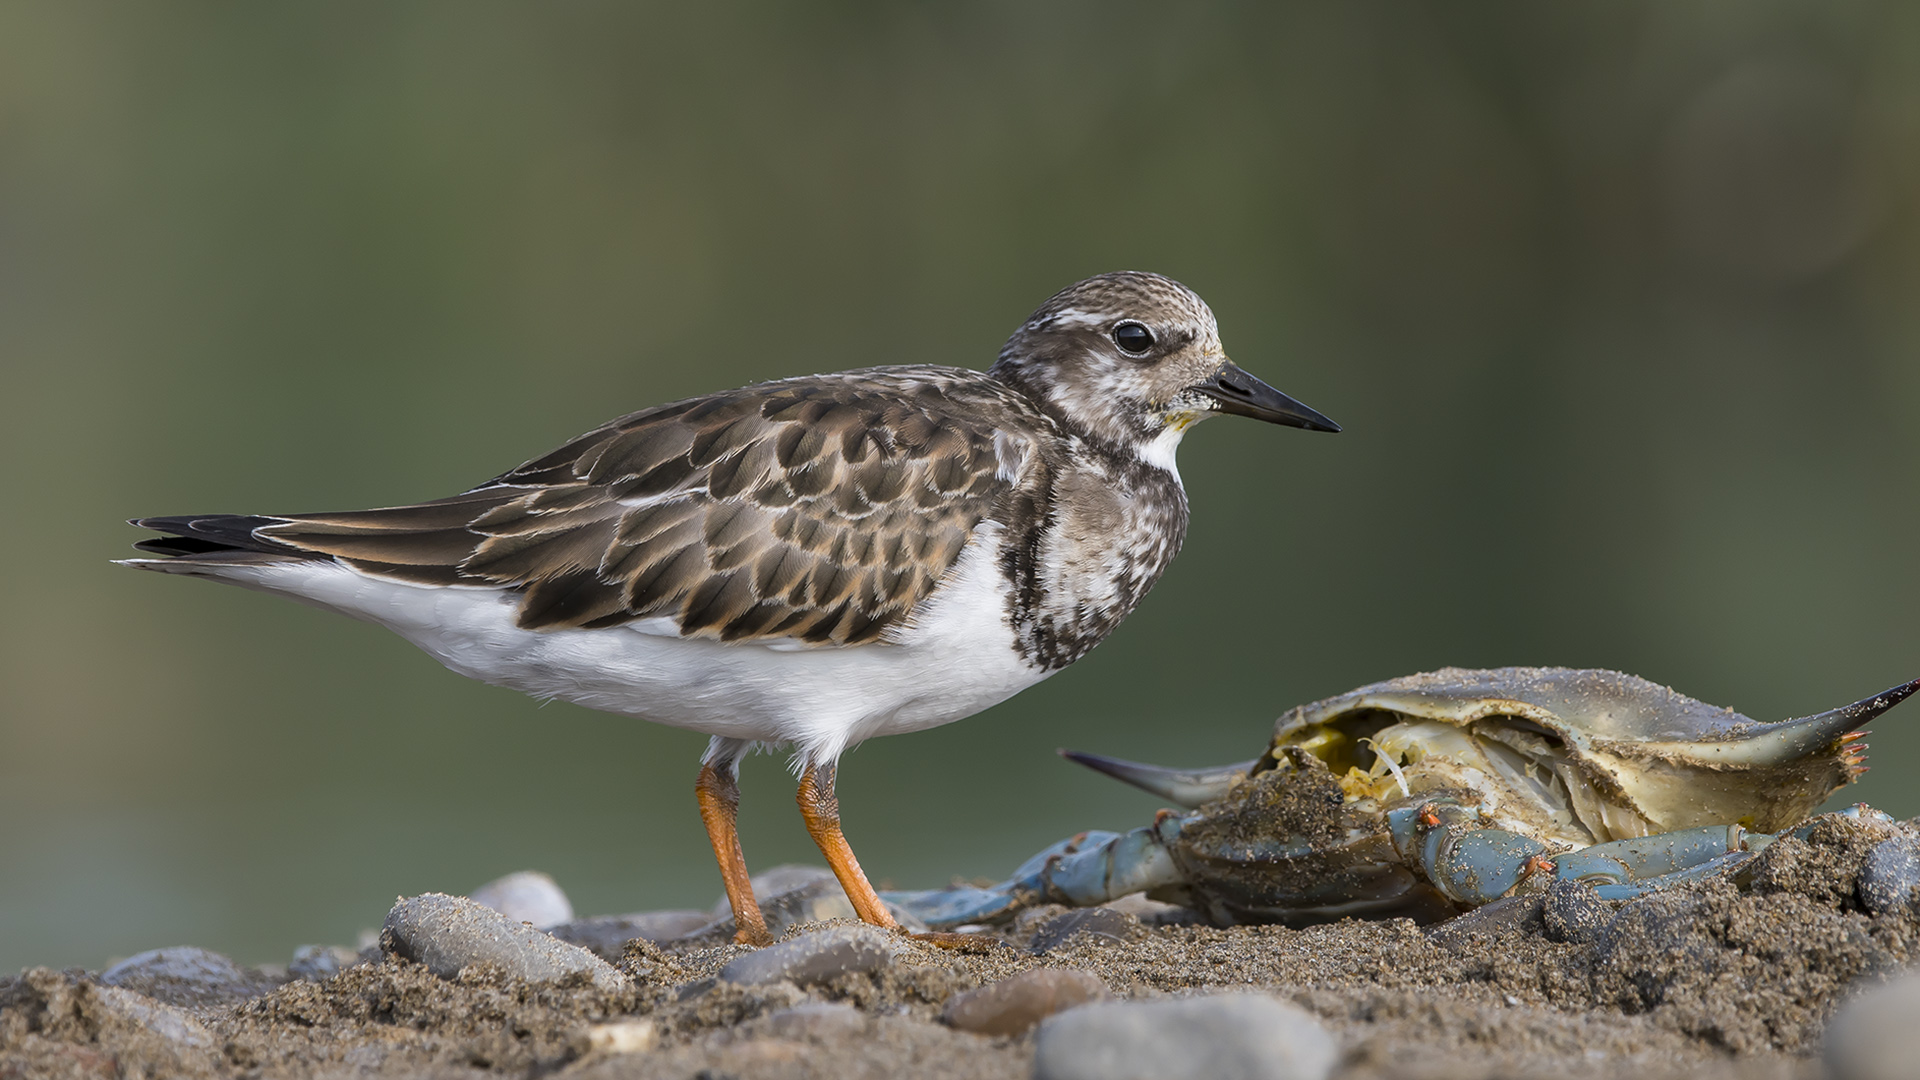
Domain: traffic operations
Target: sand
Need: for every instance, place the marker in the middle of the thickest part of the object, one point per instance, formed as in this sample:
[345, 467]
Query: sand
[1727, 978]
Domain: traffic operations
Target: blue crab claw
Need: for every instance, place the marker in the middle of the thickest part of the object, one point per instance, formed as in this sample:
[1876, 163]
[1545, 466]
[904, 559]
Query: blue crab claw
[1186, 788]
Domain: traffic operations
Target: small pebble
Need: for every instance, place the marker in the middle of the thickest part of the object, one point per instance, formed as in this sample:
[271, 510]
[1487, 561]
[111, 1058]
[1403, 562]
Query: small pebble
[318, 963]
[1030, 920]
[784, 878]
[448, 933]
[1221, 1037]
[184, 975]
[622, 1037]
[812, 958]
[758, 1057]
[1876, 1035]
[817, 1020]
[795, 892]
[527, 896]
[1153, 912]
[1098, 925]
[1890, 880]
[607, 935]
[182, 962]
[162, 1019]
[816, 901]
[1573, 912]
[1507, 915]
[1014, 1005]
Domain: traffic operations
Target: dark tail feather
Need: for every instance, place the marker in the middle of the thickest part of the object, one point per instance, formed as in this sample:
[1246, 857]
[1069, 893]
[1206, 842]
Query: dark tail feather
[209, 533]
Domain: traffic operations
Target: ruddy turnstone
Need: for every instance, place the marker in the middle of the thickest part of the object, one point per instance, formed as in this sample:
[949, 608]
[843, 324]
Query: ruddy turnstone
[806, 563]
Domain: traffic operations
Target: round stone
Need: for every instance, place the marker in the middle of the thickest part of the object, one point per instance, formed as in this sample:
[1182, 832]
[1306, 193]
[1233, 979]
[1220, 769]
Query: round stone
[1221, 1037]
[449, 933]
[1876, 1035]
[1890, 880]
[1016, 1004]
[527, 896]
[813, 958]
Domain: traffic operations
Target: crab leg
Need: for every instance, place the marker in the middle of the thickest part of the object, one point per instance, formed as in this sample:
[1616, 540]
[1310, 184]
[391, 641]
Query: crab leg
[1650, 857]
[1092, 868]
[1473, 865]
[1694, 854]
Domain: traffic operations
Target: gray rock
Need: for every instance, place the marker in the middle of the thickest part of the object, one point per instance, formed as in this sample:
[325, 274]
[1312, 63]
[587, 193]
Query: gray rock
[815, 957]
[1573, 912]
[606, 936]
[1154, 912]
[620, 1037]
[365, 1059]
[181, 962]
[526, 896]
[785, 878]
[1507, 915]
[1890, 880]
[448, 933]
[1222, 1037]
[1094, 925]
[318, 963]
[815, 901]
[166, 1021]
[818, 1021]
[1028, 922]
[1876, 1035]
[1014, 1005]
[695, 988]
[184, 975]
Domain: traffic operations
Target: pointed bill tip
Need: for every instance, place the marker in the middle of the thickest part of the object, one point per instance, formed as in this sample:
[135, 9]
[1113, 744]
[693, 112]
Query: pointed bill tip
[1236, 392]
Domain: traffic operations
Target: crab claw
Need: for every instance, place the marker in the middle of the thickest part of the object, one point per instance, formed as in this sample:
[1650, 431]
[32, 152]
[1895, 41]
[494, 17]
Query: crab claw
[1188, 788]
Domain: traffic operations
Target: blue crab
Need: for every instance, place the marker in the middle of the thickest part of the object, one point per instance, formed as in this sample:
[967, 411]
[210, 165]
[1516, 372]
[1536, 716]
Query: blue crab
[1429, 795]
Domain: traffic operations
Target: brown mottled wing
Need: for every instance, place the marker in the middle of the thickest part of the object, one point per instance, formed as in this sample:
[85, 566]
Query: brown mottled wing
[816, 509]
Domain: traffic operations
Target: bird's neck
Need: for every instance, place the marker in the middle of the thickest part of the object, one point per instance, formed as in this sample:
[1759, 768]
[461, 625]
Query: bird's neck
[1106, 427]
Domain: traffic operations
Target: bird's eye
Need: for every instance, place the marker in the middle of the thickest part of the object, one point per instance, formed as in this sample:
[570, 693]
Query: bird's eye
[1133, 338]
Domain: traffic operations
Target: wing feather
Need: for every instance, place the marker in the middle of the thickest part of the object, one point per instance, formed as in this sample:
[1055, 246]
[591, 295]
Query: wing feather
[821, 509]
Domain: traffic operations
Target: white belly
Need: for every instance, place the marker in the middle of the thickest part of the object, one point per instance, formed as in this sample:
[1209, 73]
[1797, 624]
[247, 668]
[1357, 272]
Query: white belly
[955, 659]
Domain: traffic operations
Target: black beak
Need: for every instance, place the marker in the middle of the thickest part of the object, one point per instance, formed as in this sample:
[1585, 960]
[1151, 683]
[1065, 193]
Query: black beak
[1243, 395]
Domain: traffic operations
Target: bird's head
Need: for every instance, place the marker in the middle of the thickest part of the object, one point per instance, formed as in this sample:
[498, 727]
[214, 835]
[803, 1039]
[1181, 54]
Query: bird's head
[1134, 359]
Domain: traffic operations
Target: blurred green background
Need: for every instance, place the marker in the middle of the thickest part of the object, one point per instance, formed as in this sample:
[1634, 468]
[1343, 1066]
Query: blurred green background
[1617, 304]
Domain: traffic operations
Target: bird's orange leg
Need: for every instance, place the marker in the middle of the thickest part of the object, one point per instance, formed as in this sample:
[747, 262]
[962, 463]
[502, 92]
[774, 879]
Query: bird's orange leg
[821, 811]
[719, 796]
